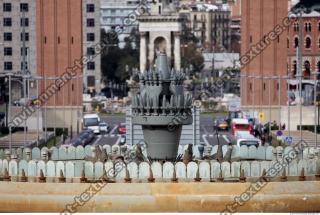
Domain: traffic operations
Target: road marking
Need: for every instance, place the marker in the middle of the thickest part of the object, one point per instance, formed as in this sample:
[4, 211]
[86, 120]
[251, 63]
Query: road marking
[225, 138]
[205, 130]
[97, 140]
[114, 129]
[118, 140]
[204, 137]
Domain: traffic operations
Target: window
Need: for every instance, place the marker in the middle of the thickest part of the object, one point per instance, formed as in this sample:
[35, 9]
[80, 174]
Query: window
[91, 66]
[7, 36]
[7, 51]
[90, 22]
[24, 51]
[296, 42]
[308, 43]
[24, 22]
[26, 65]
[26, 36]
[7, 22]
[91, 81]
[288, 43]
[7, 7]
[307, 71]
[319, 26]
[90, 37]
[7, 65]
[307, 27]
[24, 7]
[90, 8]
[90, 51]
[294, 72]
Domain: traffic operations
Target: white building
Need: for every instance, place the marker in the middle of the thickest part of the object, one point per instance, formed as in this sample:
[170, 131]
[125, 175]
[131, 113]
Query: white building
[13, 16]
[91, 36]
[113, 14]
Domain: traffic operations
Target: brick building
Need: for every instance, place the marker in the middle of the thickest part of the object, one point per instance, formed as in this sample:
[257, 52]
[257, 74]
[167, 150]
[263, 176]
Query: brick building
[258, 19]
[310, 45]
[59, 45]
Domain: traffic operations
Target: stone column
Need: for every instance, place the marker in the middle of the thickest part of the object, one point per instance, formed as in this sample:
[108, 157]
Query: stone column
[143, 51]
[151, 53]
[177, 51]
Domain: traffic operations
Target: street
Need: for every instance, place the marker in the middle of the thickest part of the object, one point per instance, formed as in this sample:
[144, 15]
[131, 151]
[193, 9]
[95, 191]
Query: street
[206, 131]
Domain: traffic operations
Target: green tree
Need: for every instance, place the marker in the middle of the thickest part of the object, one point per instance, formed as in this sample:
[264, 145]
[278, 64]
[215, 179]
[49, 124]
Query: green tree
[114, 60]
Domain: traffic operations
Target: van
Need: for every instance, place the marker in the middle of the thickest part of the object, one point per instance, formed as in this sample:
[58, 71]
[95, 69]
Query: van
[247, 139]
[91, 121]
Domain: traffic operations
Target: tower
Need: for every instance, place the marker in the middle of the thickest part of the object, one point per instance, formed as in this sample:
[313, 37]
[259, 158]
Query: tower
[160, 32]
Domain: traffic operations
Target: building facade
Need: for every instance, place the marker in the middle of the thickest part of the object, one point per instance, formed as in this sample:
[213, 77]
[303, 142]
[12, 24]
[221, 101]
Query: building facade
[211, 23]
[160, 32]
[59, 48]
[91, 35]
[113, 14]
[262, 53]
[310, 45]
[18, 24]
[235, 8]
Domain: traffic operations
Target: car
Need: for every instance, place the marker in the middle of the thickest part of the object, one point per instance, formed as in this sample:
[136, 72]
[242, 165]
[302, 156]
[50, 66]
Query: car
[222, 124]
[122, 140]
[104, 127]
[122, 128]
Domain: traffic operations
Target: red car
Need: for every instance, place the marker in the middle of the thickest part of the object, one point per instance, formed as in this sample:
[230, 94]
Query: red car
[122, 128]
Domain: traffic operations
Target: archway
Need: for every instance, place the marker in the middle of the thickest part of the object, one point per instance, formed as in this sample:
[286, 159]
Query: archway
[160, 45]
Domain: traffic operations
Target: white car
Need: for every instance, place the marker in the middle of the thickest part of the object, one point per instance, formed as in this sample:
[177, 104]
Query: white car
[104, 127]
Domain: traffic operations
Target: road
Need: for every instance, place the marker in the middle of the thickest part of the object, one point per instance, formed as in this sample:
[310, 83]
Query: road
[206, 131]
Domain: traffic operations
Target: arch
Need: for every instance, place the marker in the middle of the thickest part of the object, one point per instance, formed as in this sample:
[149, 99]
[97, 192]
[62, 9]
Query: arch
[306, 26]
[308, 42]
[160, 44]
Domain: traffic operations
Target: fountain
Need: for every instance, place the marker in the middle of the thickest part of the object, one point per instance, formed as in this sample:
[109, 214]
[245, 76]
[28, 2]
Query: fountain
[161, 107]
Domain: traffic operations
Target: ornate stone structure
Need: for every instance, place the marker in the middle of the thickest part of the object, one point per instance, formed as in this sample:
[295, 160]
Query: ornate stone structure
[162, 107]
[160, 32]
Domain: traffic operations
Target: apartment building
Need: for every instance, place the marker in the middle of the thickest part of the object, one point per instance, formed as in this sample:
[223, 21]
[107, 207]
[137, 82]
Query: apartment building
[91, 35]
[17, 39]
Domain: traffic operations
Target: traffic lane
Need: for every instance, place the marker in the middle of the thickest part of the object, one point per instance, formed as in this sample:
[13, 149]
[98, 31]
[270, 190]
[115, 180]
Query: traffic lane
[212, 139]
[113, 119]
[107, 140]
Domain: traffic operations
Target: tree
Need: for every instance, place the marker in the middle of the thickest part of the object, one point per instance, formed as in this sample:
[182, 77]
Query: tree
[114, 60]
[191, 55]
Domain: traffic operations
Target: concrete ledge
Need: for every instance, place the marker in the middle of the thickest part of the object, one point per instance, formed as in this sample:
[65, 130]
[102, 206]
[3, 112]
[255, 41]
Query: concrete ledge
[160, 197]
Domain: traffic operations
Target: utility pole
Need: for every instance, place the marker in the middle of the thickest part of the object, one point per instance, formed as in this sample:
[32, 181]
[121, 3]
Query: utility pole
[300, 69]
[24, 72]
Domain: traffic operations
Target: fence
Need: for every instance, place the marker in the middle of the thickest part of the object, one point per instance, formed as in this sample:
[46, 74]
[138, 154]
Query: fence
[206, 170]
[63, 153]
